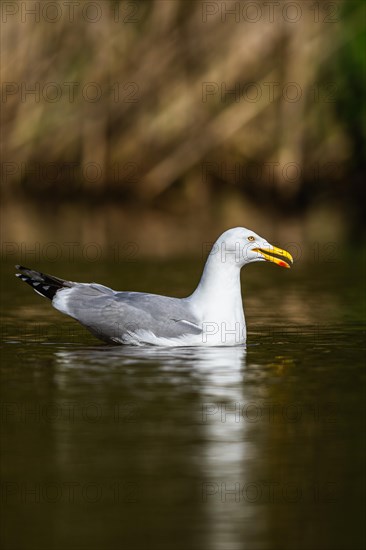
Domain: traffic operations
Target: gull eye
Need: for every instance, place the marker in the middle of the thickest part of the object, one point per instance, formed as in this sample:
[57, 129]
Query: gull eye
[251, 238]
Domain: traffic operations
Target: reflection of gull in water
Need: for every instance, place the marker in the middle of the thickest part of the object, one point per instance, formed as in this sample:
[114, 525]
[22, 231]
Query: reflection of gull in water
[212, 316]
[219, 369]
[223, 452]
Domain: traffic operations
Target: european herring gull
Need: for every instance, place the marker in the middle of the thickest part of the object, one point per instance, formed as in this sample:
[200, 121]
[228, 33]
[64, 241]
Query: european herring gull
[212, 316]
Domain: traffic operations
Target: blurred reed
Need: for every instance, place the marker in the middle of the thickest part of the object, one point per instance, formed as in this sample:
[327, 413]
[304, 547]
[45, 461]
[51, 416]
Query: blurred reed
[162, 100]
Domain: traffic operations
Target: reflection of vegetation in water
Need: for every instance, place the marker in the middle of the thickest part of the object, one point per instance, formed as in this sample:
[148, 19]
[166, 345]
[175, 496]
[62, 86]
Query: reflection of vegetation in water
[281, 364]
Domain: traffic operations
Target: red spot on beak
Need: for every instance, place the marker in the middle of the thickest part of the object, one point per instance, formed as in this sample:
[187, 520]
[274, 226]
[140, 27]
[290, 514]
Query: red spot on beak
[283, 264]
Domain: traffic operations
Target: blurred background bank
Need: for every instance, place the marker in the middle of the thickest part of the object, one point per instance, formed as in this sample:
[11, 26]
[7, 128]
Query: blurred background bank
[152, 126]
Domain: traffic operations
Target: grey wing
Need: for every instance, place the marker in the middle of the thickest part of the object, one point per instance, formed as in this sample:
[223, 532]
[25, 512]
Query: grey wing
[116, 316]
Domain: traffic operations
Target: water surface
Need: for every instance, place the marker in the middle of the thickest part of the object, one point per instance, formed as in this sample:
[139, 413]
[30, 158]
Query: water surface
[189, 448]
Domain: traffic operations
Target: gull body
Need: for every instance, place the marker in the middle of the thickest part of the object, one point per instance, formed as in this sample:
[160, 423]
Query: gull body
[212, 315]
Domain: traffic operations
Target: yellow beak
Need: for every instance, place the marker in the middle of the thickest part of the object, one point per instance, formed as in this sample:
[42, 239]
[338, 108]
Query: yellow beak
[274, 254]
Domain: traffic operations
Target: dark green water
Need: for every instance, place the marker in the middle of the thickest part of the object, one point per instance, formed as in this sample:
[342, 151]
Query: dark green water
[220, 448]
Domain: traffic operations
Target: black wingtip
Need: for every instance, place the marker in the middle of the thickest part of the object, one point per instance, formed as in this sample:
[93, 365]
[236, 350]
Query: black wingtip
[45, 285]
